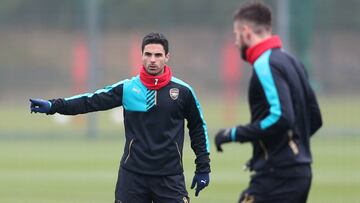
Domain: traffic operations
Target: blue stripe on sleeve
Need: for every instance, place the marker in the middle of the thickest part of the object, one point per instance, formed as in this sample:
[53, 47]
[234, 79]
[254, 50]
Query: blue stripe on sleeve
[106, 89]
[263, 71]
[233, 134]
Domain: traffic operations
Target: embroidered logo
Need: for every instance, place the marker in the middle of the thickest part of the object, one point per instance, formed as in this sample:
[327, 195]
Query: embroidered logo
[136, 90]
[174, 93]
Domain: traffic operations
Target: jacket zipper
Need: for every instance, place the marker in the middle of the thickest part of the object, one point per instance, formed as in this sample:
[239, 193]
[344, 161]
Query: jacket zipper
[156, 82]
[155, 98]
[178, 150]
[262, 145]
[129, 151]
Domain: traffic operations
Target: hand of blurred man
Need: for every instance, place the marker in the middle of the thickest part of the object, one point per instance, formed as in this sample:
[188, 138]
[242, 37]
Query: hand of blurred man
[200, 180]
[223, 136]
[40, 106]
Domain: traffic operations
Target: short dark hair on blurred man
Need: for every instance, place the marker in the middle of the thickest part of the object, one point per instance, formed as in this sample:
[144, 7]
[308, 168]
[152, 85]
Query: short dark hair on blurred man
[255, 12]
[284, 110]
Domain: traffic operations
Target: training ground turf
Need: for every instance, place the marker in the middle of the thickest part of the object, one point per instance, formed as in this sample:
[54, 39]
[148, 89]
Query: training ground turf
[44, 162]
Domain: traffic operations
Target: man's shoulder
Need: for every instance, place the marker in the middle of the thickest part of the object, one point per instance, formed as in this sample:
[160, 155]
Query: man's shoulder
[117, 84]
[280, 57]
[133, 79]
[121, 82]
[182, 85]
[180, 82]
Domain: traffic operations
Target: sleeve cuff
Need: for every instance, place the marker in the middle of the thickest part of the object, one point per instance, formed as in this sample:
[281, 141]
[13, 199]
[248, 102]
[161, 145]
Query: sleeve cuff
[54, 105]
[203, 168]
[233, 134]
[203, 164]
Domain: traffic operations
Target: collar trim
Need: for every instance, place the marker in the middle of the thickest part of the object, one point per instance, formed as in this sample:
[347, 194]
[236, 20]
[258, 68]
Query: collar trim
[254, 52]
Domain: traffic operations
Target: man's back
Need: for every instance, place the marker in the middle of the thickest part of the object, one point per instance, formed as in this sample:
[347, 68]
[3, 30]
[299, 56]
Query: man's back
[284, 112]
[302, 95]
[282, 100]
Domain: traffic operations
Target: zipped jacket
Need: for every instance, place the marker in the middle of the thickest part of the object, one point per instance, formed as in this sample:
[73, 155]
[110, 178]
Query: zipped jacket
[154, 123]
[284, 112]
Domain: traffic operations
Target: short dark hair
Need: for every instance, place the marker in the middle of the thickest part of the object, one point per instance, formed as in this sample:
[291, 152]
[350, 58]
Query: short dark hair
[255, 12]
[155, 38]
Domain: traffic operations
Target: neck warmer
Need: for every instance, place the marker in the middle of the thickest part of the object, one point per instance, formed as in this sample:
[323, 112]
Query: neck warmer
[257, 50]
[153, 82]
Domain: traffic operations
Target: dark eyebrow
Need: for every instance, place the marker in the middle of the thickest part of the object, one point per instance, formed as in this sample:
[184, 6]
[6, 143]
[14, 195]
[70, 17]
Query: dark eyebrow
[156, 54]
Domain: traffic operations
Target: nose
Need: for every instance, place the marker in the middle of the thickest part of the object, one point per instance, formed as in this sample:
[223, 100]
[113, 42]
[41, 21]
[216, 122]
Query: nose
[152, 58]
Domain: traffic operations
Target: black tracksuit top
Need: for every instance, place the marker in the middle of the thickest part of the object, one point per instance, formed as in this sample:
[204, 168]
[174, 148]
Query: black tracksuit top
[284, 115]
[154, 123]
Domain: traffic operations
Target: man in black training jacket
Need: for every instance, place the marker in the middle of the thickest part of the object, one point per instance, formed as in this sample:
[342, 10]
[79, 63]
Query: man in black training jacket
[284, 113]
[155, 105]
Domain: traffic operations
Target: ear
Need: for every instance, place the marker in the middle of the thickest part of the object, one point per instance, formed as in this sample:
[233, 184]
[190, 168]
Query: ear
[167, 57]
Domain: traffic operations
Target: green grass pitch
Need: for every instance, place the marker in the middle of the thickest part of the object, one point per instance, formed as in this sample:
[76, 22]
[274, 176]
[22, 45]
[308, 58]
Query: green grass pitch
[60, 166]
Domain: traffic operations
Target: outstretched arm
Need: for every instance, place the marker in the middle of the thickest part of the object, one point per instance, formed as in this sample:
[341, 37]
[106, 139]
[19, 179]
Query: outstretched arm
[103, 99]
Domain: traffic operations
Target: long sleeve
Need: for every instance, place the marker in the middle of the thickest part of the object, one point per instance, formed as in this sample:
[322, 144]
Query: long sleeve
[315, 114]
[280, 115]
[198, 133]
[103, 99]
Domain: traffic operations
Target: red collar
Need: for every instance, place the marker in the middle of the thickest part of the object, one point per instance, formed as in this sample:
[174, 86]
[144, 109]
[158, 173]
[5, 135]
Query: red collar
[255, 51]
[155, 82]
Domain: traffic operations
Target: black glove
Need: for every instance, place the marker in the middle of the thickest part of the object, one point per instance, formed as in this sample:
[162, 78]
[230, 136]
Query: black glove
[201, 180]
[224, 136]
[40, 106]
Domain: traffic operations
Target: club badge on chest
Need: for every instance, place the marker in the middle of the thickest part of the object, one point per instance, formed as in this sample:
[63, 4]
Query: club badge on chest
[174, 93]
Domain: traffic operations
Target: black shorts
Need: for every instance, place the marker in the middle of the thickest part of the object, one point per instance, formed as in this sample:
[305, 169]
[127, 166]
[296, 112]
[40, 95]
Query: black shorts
[276, 190]
[137, 188]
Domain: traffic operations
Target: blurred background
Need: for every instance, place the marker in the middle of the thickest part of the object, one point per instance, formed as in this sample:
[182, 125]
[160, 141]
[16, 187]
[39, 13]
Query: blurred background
[52, 49]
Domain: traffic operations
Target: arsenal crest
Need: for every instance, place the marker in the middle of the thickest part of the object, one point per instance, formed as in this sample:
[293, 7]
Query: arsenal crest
[174, 93]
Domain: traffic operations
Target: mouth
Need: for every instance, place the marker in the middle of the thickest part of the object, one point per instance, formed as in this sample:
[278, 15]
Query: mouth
[153, 67]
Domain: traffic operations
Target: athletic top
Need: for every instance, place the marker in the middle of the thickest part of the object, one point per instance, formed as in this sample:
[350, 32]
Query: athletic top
[284, 112]
[154, 123]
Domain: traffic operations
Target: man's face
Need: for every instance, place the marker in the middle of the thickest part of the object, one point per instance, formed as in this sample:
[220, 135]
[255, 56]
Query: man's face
[242, 34]
[154, 59]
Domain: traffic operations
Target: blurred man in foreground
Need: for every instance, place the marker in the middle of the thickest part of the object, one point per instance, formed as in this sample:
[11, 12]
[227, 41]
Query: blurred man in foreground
[155, 106]
[284, 113]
